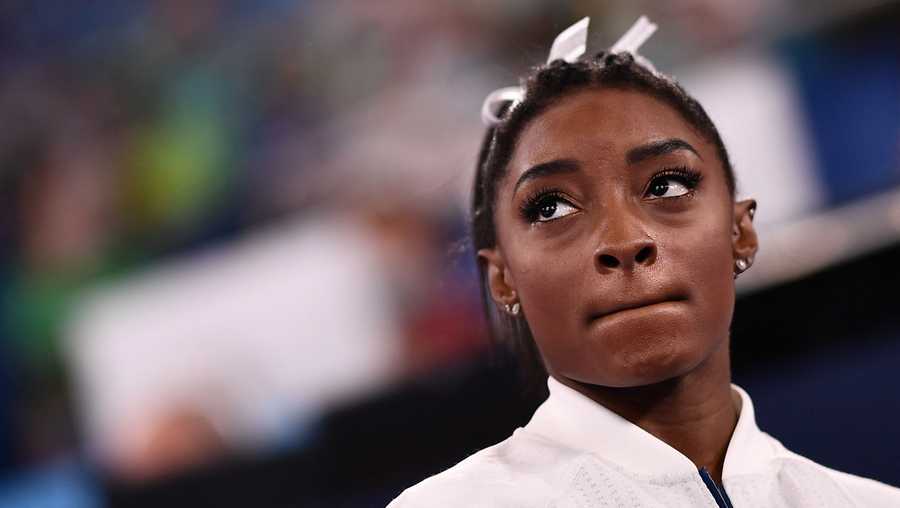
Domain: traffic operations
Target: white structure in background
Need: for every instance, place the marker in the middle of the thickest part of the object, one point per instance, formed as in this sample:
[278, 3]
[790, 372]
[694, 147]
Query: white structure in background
[255, 337]
[753, 102]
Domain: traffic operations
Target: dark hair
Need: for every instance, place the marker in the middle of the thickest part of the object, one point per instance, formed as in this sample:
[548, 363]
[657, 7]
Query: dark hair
[545, 86]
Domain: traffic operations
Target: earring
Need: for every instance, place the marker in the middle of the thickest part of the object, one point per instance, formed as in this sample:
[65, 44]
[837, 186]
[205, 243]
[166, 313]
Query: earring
[740, 266]
[512, 310]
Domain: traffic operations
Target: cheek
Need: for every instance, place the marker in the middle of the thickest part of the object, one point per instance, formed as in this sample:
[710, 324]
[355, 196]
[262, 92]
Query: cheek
[704, 255]
[548, 269]
[549, 284]
[551, 280]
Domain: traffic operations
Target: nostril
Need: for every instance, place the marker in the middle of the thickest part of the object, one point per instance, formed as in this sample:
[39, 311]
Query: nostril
[609, 261]
[644, 254]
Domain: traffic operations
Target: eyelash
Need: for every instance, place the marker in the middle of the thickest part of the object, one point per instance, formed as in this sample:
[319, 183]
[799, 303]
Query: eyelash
[532, 204]
[690, 178]
[530, 208]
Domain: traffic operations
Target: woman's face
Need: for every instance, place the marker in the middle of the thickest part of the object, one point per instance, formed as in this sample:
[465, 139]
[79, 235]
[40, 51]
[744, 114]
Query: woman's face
[617, 233]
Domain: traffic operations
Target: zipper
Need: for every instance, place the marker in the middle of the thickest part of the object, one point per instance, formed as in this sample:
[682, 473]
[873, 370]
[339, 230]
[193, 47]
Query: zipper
[718, 494]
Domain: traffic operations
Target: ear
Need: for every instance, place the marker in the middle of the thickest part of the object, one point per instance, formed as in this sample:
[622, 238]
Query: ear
[744, 242]
[499, 279]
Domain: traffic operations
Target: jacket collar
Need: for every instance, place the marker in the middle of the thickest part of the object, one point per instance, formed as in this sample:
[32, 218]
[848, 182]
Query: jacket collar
[575, 421]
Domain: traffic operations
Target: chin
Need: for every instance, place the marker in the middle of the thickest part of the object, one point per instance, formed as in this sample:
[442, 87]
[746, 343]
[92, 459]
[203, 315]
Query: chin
[649, 353]
[641, 368]
[642, 362]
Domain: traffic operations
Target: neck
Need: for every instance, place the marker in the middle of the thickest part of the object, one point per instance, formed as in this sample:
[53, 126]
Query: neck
[694, 413]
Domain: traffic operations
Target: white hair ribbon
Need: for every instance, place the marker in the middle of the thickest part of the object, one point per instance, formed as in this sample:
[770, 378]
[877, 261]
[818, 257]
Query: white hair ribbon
[632, 40]
[569, 45]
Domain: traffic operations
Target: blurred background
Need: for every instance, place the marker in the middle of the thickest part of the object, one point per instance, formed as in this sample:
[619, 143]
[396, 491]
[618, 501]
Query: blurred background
[233, 236]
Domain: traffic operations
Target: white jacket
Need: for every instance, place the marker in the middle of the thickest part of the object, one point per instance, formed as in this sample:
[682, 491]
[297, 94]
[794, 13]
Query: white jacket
[575, 453]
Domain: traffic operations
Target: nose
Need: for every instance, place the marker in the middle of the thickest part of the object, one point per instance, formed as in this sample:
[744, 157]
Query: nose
[624, 247]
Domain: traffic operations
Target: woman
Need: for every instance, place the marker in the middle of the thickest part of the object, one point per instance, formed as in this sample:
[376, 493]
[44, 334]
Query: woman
[609, 237]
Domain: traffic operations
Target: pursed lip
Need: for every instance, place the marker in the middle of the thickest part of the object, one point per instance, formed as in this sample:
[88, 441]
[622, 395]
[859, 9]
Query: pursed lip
[634, 304]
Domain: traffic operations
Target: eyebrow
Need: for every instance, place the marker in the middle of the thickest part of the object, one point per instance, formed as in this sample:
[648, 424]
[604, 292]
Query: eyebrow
[634, 156]
[657, 149]
[554, 167]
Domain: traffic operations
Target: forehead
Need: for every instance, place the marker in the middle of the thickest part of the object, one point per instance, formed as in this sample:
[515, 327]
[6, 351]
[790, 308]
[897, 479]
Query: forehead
[600, 124]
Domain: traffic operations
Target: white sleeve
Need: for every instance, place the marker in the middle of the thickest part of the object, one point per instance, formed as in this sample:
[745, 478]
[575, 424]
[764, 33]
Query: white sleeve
[866, 492]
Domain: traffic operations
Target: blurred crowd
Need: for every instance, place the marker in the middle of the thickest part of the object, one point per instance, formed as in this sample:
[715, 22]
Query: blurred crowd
[321, 147]
[223, 217]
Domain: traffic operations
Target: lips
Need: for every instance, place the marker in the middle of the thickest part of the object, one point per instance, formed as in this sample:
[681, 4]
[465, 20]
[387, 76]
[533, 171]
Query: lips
[609, 310]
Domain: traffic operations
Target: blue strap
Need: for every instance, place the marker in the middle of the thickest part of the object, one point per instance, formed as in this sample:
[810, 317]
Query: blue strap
[718, 493]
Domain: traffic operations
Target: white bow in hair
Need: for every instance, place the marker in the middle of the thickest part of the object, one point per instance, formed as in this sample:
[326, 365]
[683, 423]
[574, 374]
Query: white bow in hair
[569, 45]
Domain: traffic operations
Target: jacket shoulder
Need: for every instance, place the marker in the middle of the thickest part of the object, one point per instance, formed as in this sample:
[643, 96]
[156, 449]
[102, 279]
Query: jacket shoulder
[511, 473]
[861, 491]
[865, 491]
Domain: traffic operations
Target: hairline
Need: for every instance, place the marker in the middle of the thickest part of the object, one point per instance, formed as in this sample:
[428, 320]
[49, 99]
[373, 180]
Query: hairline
[553, 102]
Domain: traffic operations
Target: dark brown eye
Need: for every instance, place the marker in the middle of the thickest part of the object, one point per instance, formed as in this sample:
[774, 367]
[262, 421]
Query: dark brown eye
[670, 186]
[547, 207]
[659, 187]
[552, 208]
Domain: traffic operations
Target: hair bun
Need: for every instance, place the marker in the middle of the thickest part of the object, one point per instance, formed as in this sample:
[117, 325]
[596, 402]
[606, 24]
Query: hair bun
[613, 59]
[601, 56]
[558, 63]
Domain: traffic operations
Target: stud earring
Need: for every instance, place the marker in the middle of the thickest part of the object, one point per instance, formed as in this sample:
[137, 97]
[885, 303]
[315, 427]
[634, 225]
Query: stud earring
[512, 310]
[740, 266]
